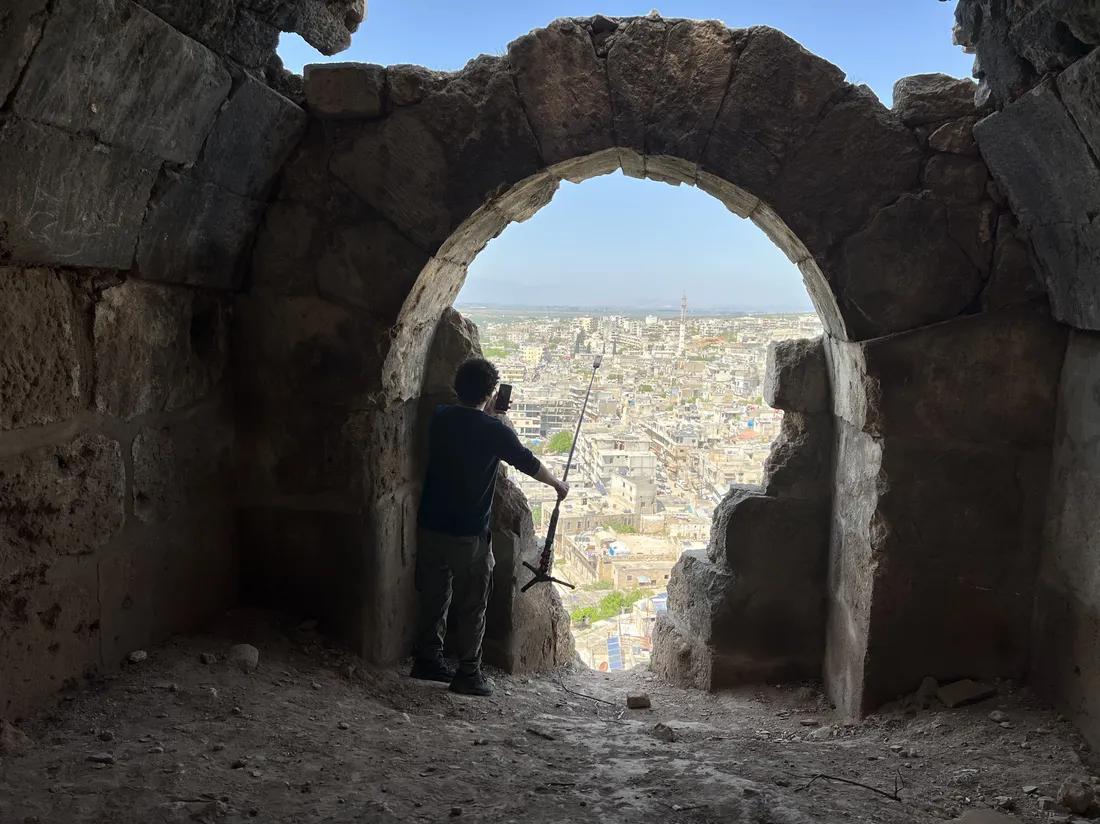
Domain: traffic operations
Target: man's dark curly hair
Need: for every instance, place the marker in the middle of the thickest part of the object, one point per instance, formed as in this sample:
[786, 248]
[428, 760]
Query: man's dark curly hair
[475, 381]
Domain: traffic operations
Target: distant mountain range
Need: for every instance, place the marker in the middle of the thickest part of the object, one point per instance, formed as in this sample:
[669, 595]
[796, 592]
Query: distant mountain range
[504, 295]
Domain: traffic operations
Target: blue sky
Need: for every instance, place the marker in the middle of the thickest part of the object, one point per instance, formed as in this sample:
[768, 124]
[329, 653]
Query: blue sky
[613, 239]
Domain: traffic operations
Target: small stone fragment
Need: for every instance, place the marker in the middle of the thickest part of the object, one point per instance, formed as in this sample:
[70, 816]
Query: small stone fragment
[101, 758]
[343, 725]
[1078, 794]
[256, 773]
[238, 764]
[106, 735]
[810, 722]
[208, 658]
[927, 687]
[244, 656]
[1049, 805]
[997, 716]
[1004, 802]
[236, 711]
[137, 656]
[896, 748]
[638, 702]
[664, 733]
[13, 741]
[157, 749]
[315, 685]
[1030, 789]
[218, 747]
[964, 692]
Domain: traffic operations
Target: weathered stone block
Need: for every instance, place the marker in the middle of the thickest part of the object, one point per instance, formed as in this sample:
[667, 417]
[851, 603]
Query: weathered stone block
[455, 342]
[44, 375]
[796, 378]
[854, 543]
[634, 49]
[775, 100]
[51, 633]
[699, 56]
[956, 137]
[972, 225]
[860, 148]
[1046, 41]
[678, 657]
[252, 138]
[1070, 258]
[67, 200]
[181, 469]
[758, 603]
[306, 347]
[961, 528]
[300, 449]
[429, 167]
[1036, 153]
[345, 90]
[902, 271]
[327, 25]
[800, 462]
[931, 98]
[565, 91]
[1079, 88]
[20, 29]
[112, 69]
[60, 500]
[157, 348]
[1012, 279]
[955, 179]
[196, 233]
[982, 379]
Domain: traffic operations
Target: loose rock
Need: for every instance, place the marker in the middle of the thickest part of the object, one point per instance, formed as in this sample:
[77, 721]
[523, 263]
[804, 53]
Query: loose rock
[664, 733]
[997, 716]
[208, 658]
[13, 741]
[638, 702]
[244, 656]
[1078, 794]
[810, 722]
[343, 725]
[137, 656]
[106, 735]
[964, 692]
[101, 758]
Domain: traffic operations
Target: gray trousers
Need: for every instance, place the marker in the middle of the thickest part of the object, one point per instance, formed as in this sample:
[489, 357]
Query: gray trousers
[460, 568]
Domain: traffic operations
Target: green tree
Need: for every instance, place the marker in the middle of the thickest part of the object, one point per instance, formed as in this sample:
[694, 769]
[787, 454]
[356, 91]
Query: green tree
[622, 528]
[560, 442]
[645, 387]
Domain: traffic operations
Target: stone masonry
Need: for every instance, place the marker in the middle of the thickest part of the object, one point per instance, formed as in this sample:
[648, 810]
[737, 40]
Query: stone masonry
[224, 314]
[1039, 67]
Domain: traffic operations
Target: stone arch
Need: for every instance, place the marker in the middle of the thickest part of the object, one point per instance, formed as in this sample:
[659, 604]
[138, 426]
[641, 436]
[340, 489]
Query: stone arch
[405, 174]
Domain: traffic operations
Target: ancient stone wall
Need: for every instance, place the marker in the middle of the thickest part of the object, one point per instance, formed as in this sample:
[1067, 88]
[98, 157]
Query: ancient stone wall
[752, 608]
[135, 164]
[1039, 65]
[913, 260]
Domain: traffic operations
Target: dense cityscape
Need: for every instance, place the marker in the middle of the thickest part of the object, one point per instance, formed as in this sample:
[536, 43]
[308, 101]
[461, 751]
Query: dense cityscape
[675, 418]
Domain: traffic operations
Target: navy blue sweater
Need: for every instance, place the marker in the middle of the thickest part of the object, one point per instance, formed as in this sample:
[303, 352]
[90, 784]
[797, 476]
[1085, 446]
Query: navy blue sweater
[466, 447]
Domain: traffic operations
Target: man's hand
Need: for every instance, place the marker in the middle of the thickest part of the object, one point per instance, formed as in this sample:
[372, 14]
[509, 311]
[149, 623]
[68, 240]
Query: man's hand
[562, 489]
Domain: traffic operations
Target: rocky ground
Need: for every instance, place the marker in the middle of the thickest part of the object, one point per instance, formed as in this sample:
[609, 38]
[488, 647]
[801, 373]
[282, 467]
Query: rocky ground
[314, 736]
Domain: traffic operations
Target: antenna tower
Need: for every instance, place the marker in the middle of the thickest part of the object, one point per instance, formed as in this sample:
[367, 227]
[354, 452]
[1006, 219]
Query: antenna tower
[683, 324]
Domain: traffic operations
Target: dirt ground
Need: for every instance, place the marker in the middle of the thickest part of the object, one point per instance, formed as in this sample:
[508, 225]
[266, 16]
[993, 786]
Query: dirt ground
[314, 736]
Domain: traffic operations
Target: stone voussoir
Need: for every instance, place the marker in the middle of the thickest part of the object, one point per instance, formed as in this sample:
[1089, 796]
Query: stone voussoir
[340, 91]
[933, 98]
[117, 71]
[564, 89]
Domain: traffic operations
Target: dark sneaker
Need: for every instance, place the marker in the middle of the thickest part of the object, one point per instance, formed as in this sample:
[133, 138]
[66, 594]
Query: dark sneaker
[440, 670]
[476, 683]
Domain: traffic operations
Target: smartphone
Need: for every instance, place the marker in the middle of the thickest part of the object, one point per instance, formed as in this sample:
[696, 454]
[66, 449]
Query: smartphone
[504, 397]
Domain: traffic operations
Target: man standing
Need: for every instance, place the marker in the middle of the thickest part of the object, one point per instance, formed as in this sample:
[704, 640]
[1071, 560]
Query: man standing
[467, 442]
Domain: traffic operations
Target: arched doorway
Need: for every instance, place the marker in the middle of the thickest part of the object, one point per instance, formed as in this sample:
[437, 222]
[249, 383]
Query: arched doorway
[383, 208]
